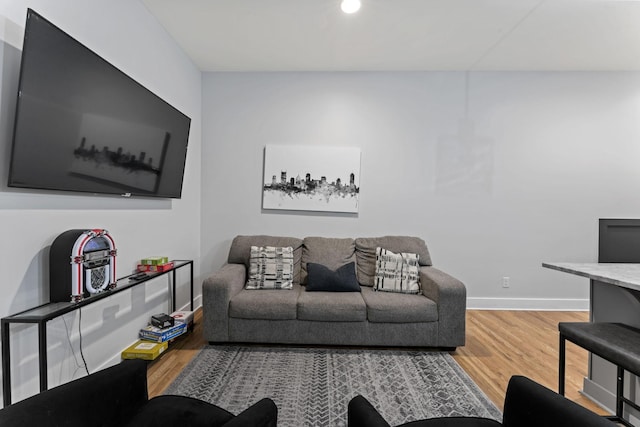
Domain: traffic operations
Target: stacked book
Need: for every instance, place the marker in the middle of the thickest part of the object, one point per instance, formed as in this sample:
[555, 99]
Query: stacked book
[185, 317]
[155, 264]
[155, 337]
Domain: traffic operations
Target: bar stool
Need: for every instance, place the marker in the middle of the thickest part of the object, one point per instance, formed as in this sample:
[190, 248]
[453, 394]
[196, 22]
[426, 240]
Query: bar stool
[615, 342]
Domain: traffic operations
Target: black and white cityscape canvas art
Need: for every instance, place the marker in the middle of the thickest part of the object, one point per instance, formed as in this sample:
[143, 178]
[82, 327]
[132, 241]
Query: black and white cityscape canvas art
[311, 178]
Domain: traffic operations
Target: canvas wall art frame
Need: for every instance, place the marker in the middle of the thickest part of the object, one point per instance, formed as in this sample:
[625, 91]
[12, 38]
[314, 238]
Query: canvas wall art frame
[311, 178]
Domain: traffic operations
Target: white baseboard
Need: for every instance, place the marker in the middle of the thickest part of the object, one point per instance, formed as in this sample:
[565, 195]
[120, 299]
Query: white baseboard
[528, 304]
[600, 395]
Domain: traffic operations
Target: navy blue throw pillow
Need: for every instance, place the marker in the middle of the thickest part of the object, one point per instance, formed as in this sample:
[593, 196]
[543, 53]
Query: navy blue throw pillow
[321, 278]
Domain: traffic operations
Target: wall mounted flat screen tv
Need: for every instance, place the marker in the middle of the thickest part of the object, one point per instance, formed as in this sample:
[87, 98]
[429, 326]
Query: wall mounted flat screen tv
[83, 125]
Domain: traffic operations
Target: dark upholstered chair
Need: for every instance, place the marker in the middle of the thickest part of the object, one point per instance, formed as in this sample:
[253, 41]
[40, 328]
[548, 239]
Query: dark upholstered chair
[527, 404]
[117, 397]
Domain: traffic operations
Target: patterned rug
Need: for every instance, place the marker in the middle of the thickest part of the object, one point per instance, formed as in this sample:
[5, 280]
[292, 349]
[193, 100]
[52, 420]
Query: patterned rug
[312, 386]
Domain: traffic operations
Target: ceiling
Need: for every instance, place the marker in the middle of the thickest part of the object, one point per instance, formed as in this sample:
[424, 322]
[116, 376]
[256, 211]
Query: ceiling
[406, 35]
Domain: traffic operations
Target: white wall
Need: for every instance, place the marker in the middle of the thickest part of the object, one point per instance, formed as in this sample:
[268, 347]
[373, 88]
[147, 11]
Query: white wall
[550, 153]
[124, 33]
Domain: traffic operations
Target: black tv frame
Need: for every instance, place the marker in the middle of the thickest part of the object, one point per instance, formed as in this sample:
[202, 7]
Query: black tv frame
[169, 162]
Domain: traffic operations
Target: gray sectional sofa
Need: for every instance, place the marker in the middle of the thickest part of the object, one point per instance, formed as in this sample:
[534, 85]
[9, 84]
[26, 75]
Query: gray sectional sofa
[434, 318]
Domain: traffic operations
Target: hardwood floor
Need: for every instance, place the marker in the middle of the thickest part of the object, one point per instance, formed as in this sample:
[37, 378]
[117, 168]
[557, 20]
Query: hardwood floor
[162, 371]
[499, 344]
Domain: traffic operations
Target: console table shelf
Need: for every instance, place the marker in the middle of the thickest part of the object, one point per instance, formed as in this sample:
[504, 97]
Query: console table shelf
[40, 315]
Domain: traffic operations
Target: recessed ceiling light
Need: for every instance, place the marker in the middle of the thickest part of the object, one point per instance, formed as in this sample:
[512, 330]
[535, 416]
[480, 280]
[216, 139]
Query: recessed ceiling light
[350, 6]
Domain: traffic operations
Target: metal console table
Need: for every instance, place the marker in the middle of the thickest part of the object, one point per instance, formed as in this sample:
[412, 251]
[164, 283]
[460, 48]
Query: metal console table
[42, 314]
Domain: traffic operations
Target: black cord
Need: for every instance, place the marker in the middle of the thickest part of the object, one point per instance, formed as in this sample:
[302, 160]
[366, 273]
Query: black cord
[86, 367]
[75, 358]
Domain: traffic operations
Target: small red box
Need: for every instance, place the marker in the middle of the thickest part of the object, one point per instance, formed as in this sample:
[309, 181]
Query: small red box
[155, 268]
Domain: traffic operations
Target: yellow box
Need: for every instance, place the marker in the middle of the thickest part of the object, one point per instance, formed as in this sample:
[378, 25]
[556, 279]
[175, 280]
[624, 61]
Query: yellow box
[143, 349]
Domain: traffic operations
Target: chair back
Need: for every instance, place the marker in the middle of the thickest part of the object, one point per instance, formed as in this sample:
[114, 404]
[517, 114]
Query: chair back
[529, 404]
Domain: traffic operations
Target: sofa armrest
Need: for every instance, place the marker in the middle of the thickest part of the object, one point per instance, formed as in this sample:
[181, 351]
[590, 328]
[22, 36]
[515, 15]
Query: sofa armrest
[451, 296]
[87, 401]
[217, 291]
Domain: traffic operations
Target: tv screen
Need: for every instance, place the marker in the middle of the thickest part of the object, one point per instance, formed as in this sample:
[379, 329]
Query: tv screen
[83, 125]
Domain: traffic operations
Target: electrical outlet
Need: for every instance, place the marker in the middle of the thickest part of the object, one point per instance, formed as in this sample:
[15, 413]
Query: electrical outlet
[505, 282]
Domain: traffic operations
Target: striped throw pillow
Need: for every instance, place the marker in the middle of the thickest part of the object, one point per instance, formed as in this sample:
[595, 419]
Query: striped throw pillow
[270, 268]
[396, 272]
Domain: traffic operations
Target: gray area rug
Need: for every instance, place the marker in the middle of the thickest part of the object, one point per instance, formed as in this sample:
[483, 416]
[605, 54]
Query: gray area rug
[312, 386]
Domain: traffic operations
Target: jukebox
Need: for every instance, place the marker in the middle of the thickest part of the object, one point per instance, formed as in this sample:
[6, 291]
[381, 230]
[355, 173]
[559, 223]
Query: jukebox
[81, 263]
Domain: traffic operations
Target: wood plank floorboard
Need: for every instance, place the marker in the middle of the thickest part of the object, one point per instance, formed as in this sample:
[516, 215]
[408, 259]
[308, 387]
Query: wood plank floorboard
[499, 344]
[164, 370]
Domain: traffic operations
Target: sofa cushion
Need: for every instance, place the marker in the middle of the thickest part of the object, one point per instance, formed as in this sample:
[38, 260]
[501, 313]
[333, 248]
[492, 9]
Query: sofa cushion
[366, 253]
[385, 307]
[397, 272]
[321, 278]
[270, 267]
[240, 251]
[332, 307]
[328, 251]
[266, 304]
